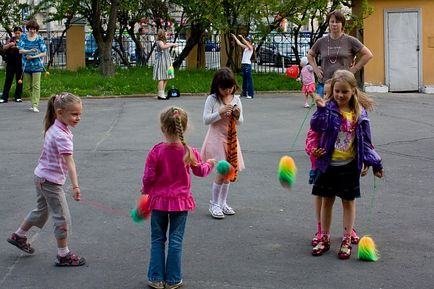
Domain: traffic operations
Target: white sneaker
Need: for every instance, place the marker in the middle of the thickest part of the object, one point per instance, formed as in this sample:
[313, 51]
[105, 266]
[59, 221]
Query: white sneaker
[216, 211]
[249, 97]
[30, 108]
[35, 109]
[2, 100]
[306, 105]
[228, 210]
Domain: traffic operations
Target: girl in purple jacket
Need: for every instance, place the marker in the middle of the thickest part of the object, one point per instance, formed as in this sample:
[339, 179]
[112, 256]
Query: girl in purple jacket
[343, 124]
[167, 180]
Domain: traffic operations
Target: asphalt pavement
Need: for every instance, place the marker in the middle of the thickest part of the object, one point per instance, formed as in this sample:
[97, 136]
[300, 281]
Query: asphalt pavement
[266, 245]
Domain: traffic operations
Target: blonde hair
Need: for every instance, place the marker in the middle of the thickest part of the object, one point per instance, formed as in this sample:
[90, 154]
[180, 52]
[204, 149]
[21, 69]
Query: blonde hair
[58, 101]
[161, 35]
[174, 123]
[359, 98]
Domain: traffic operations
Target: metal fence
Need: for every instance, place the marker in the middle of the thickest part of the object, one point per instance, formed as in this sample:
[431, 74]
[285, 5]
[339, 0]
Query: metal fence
[274, 52]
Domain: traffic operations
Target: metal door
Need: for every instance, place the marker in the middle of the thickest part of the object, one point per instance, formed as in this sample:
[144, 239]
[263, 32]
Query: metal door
[402, 50]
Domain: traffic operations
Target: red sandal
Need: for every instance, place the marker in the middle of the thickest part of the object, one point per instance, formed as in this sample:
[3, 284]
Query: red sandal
[316, 239]
[354, 238]
[345, 251]
[322, 247]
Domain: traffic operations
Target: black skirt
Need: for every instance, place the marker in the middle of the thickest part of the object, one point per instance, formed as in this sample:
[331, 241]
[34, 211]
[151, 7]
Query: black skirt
[342, 181]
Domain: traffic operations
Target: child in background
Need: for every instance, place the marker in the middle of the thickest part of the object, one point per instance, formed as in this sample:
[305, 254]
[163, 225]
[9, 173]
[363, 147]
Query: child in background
[307, 79]
[167, 180]
[223, 112]
[343, 125]
[56, 161]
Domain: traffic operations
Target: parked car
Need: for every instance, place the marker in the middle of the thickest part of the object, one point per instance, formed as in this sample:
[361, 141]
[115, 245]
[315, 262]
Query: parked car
[212, 46]
[92, 52]
[269, 53]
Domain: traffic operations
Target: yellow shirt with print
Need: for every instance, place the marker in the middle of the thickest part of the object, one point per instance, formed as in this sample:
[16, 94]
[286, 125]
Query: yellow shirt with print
[344, 145]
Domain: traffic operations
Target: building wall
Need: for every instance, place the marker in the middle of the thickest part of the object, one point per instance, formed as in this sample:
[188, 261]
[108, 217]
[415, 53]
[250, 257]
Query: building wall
[374, 38]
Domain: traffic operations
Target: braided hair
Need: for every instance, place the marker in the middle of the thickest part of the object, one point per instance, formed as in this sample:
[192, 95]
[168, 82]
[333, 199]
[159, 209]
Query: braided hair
[174, 123]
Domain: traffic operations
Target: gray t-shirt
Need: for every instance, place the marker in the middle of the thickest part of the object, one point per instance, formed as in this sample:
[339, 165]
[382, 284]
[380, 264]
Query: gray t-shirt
[336, 53]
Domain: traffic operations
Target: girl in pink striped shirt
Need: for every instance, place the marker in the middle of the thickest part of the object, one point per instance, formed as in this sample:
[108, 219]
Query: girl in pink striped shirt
[55, 163]
[307, 79]
[167, 180]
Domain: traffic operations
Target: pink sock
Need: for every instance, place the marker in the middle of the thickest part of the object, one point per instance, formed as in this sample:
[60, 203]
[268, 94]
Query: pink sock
[318, 227]
[20, 232]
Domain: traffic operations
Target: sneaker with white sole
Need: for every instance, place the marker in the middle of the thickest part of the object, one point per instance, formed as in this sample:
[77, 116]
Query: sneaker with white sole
[156, 284]
[228, 210]
[249, 97]
[35, 109]
[306, 105]
[216, 211]
[174, 286]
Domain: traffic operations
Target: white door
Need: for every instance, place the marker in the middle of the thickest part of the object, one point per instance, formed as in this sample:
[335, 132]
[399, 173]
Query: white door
[402, 50]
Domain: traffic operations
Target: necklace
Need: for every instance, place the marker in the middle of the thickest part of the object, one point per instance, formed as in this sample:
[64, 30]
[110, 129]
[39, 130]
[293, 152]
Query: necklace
[337, 53]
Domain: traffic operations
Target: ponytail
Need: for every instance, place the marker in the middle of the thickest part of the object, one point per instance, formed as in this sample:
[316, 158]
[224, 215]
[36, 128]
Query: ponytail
[50, 115]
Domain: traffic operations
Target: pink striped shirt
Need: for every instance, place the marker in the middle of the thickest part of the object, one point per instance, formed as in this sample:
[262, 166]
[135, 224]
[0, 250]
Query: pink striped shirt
[167, 179]
[57, 143]
[306, 75]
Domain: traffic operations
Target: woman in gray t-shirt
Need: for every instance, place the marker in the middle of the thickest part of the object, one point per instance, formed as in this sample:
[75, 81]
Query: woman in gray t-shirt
[337, 50]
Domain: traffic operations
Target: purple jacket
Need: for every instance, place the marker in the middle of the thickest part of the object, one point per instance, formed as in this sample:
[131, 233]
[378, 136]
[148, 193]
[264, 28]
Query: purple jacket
[327, 121]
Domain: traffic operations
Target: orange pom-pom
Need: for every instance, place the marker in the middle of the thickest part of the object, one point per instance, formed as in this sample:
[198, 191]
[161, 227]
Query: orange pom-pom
[20, 81]
[231, 174]
[143, 206]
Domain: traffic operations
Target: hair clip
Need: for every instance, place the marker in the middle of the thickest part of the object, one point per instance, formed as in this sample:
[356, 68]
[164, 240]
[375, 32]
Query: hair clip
[175, 112]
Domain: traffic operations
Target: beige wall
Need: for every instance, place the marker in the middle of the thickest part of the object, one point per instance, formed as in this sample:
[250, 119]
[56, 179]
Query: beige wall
[374, 38]
[75, 58]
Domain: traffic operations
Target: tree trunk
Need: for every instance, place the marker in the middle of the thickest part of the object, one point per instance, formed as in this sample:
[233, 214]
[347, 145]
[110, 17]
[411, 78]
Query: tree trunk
[106, 64]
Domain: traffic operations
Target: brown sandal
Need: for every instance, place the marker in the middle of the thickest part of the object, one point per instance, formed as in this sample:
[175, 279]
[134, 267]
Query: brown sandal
[322, 247]
[345, 251]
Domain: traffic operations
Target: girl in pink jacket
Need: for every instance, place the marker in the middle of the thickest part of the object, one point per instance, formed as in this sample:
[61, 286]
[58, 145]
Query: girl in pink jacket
[167, 180]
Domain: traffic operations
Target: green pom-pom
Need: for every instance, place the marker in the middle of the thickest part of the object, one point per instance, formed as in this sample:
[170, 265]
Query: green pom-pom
[287, 171]
[367, 250]
[170, 70]
[223, 167]
[135, 216]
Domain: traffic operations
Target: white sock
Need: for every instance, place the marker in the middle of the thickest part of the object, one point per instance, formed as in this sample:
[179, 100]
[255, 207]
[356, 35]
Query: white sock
[20, 232]
[224, 194]
[216, 188]
[62, 252]
[161, 94]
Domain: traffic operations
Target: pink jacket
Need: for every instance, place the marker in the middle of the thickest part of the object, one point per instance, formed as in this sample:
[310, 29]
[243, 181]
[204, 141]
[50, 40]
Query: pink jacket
[167, 179]
[312, 142]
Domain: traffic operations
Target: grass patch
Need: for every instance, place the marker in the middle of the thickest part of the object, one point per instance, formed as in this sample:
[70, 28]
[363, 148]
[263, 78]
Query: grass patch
[138, 81]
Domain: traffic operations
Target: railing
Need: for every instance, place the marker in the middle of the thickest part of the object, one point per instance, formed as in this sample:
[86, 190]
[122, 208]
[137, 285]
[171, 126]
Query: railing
[273, 53]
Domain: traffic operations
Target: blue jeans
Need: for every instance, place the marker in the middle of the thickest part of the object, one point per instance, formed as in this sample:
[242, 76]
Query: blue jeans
[247, 80]
[160, 269]
[320, 89]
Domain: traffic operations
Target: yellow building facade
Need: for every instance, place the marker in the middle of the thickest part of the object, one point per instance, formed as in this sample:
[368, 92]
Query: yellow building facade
[400, 34]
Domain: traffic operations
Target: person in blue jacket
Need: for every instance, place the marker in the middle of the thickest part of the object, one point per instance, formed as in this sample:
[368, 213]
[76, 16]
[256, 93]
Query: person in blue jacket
[32, 47]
